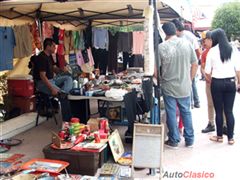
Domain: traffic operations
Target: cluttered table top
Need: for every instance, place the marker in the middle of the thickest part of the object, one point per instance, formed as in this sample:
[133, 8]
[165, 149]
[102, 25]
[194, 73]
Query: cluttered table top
[107, 88]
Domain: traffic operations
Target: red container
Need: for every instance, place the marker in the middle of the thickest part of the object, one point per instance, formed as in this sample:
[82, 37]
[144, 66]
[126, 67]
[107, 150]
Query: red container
[20, 86]
[26, 104]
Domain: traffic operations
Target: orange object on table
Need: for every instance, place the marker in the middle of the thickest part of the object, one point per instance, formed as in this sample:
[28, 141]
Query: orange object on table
[45, 165]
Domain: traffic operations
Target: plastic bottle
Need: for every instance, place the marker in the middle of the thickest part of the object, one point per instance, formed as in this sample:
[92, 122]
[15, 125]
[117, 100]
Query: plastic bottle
[75, 83]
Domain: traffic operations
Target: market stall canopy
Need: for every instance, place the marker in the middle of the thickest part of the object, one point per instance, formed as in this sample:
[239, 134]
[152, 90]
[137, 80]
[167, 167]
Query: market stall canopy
[80, 12]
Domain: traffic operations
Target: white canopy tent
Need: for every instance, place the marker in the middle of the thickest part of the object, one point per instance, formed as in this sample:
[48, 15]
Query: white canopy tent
[78, 13]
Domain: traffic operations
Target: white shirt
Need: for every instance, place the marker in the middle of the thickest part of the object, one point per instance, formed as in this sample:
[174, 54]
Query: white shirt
[191, 38]
[219, 69]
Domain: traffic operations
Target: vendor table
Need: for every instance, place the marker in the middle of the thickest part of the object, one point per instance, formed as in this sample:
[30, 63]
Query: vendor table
[80, 105]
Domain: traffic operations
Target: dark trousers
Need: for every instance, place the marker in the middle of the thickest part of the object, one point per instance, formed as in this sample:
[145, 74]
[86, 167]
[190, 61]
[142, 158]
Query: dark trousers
[100, 57]
[223, 94]
[128, 59]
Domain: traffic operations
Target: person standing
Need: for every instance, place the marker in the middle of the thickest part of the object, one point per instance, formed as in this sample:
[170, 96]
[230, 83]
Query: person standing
[188, 35]
[178, 67]
[222, 66]
[207, 44]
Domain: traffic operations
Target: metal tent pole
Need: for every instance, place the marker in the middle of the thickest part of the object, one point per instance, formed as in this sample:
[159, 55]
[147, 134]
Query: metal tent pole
[157, 40]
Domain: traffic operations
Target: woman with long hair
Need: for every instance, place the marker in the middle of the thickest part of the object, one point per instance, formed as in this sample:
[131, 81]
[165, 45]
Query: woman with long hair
[222, 66]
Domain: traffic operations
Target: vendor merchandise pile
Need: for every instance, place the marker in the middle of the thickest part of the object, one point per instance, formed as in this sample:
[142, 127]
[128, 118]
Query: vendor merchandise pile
[74, 132]
[78, 137]
[111, 86]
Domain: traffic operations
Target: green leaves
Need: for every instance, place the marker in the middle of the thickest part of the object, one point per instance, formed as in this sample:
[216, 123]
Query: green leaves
[227, 17]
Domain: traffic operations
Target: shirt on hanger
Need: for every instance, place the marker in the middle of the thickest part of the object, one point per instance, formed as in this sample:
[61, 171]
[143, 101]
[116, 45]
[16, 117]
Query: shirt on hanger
[125, 42]
[7, 43]
[100, 38]
[138, 42]
[24, 40]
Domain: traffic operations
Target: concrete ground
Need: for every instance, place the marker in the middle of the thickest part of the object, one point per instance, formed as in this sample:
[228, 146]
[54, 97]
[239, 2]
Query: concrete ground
[206, 158]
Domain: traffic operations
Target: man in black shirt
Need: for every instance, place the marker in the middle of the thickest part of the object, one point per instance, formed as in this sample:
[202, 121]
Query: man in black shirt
[44, 70]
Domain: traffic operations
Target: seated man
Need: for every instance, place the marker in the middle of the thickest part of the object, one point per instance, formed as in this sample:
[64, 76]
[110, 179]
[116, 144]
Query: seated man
[44, 69]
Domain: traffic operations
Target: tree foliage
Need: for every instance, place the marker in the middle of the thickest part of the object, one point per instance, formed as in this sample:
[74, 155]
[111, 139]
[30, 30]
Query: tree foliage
[227, 17]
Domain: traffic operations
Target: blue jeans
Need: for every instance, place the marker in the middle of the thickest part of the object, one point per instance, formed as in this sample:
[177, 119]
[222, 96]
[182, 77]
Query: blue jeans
[194, 95]
[184, 107]
[63, 83]
[223, 94]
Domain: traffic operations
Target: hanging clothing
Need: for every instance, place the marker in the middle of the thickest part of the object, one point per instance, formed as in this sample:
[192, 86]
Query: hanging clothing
[23, 39]
[86, 58]
[138, 61]
[61, 61]
[47, 30]
[124, 42]
[86, 61]
[100, 60]
[85, 55]
[81, 40]
[87, 33]
[66, 41]
[71, 46]
[60, 50]
[72, 59]
[90, 56]
[55, 34]
[128, 59]
[112, 52]
[76, 37]
[78, 40]
[36, 41]
[100, 38]
[7, 44]
[138, 42]
[80, 60]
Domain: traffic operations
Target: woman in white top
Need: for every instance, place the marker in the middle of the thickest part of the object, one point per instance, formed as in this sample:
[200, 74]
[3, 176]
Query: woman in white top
[222, 66]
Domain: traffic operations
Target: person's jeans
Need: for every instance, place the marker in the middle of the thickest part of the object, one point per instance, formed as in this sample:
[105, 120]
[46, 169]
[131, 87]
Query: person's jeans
[223, 94]
[184, 107]
[64, 84]
[194, 97]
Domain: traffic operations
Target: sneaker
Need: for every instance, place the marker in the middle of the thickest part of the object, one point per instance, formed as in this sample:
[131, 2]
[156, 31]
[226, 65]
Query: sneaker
[171, 145]
[225, 130]
[197, 105]
[189, 145]
[209, 128]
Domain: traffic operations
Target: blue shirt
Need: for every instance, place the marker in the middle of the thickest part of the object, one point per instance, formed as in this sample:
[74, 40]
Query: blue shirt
[7, 43]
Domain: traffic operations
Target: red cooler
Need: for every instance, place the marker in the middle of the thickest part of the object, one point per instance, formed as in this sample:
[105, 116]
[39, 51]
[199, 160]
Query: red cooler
[20, 85]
